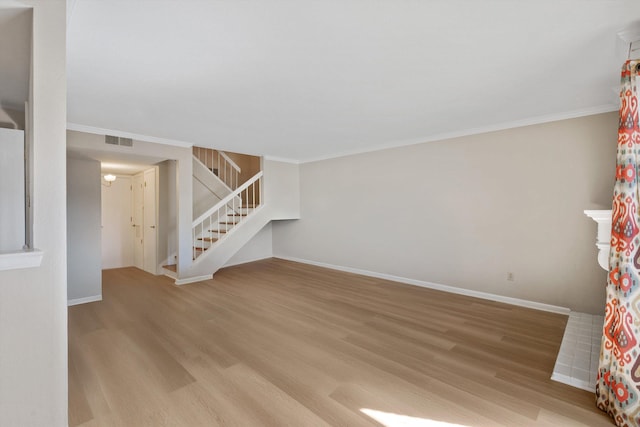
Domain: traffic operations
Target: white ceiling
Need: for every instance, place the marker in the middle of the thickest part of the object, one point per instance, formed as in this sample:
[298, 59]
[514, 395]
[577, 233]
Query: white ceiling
[309, 79]
[115, 162]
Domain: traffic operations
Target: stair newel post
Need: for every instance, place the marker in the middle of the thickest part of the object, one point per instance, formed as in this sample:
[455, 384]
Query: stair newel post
[193, 239]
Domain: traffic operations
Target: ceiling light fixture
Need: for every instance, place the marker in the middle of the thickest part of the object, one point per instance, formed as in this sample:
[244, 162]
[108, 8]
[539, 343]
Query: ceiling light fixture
[109, 178]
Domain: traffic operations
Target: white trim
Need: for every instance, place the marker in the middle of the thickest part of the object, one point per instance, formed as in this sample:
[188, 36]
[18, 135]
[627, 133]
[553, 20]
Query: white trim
[84, 300]
[193, 279]
[282, 159]
[629, 34]
[599, 214]
[436, 286]
[20, 259]
[246, 261]
[600, 109]
[170, 274]
[122, 134]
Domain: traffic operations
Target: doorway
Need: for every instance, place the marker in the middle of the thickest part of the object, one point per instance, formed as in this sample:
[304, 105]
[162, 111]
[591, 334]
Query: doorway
[130, 219]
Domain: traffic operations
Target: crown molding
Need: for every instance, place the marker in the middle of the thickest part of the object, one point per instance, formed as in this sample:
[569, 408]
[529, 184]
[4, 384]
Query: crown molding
[282, 159]
[138, 137]
[600, 109]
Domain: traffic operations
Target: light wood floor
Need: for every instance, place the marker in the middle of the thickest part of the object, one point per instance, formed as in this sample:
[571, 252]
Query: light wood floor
[275, 343]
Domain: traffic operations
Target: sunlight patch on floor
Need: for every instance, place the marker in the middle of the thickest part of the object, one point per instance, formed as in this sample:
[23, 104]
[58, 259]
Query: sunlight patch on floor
[389, 419]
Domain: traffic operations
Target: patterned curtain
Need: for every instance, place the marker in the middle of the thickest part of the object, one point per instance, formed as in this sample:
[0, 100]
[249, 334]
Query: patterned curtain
[618, 386]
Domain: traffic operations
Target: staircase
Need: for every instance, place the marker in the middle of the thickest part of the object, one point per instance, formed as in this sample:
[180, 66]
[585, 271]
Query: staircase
[216, 224]
[222, 229]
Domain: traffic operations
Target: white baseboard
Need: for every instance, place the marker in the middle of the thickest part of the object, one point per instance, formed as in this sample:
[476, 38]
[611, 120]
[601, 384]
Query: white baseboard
[193, 279]
[84, 300]
[246, 261]
[170, 274]
[436, 286]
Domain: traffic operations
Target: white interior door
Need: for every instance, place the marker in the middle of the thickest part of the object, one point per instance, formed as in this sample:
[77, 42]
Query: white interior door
[138, 221]
[150, 236]
[117, 217]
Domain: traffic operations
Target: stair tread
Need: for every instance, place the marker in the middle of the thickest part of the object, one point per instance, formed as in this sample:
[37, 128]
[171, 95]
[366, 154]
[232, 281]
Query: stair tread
[208, 239]
[218, 231]
[229, 222]
[171, 267]
[238, 214]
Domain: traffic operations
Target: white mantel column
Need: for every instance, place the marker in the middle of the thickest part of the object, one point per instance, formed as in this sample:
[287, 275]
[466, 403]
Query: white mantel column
[603, 241]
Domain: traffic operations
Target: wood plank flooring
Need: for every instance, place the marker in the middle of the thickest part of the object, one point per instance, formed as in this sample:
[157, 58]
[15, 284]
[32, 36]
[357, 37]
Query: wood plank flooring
[276, 343]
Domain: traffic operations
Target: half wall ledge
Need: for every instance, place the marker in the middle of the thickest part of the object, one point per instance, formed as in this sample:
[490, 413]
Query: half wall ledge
[20, 259]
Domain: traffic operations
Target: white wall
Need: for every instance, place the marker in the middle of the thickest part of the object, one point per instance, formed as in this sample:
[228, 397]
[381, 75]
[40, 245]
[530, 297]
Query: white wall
[167, 213]
[259, 247]
[95, 142]
[281, 189]
[84, 261]
[203, 198]
[12, 207]
[117, 232]
[466, 211]
[33, 302]
[11, 119]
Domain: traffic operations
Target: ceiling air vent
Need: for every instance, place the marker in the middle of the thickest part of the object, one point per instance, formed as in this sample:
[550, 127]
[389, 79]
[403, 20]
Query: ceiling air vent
[114, 140]
[109, 139]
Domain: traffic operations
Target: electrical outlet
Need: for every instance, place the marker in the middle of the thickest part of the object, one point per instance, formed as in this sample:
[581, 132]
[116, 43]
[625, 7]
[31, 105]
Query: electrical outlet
[510, 276]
